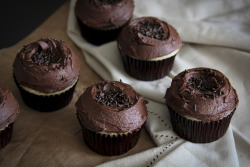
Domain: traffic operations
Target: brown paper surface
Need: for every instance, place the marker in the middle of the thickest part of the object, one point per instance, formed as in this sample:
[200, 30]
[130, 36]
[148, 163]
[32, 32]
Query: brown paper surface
[52, 139]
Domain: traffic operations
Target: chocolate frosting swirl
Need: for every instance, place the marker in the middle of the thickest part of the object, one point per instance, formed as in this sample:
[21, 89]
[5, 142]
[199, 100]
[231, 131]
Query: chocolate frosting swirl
[47, 65]
[102, 14]
[202, 93]
[9, 108]
[146, 38]
[112, 107]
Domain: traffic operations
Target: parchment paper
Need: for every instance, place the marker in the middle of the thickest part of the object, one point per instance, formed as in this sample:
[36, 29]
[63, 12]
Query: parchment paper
[52, 139]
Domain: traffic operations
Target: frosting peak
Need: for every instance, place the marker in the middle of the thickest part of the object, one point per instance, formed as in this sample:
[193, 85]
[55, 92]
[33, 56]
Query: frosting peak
[150, 28]
[207, 82]
[112, 96]
[47, 54]
[112, 107]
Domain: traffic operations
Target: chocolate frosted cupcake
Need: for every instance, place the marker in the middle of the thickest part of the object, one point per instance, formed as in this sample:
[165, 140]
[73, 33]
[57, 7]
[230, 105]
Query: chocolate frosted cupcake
[46, 72]
[201, 103]
[100, 21]
[9, 110]
[148, 47]
[111, 115]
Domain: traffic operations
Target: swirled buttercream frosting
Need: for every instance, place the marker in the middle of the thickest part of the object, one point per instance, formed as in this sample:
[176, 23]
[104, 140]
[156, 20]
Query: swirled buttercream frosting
[148, 38]
[47, 65]
[202, 94]
[111, 107]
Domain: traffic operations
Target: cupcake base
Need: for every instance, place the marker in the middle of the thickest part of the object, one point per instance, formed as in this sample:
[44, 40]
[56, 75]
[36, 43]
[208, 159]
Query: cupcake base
[147, 70]
[5, 135]
[46, 103]
[197, 131]
[98, 36]
[109, 145]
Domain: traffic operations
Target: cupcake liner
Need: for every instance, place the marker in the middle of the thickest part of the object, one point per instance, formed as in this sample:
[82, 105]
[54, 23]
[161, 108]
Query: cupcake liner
[198, 131]
[46, 103]
[5, 135]
[147, 70]
[109, 144]
[99, 36]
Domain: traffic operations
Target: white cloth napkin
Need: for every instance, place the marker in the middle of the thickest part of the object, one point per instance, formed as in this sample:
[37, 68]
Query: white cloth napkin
[216, 35]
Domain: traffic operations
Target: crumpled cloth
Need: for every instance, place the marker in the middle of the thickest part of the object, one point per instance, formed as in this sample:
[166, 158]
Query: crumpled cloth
[216, 35]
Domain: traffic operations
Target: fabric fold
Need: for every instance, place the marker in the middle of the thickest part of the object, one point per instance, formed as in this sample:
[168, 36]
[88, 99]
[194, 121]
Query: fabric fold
[216, 35]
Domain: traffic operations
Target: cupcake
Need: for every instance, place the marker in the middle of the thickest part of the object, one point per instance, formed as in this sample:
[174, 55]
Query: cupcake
[100, 21]
[148, 47]
[201, 103]
[9, 110]
[111, 115]
[46, 73]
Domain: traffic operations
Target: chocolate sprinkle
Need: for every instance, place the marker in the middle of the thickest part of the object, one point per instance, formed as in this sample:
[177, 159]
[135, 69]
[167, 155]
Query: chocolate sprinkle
[49, 56]
[207, 84]
[150, 29]
[185, 100]
[46, 57]
[113, 98]
[25, 48]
